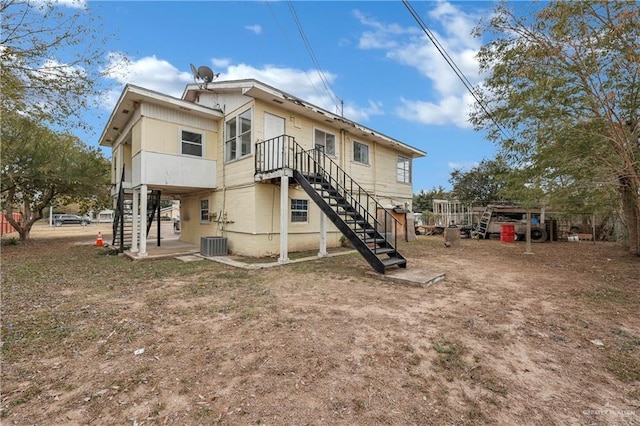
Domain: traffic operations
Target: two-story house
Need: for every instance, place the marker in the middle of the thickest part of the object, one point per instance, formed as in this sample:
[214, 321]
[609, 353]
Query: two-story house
[267, 171]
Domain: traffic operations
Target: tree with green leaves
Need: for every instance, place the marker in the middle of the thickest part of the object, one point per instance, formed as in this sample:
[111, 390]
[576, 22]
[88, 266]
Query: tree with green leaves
[423, 200]
[41, 168]
[482, 185]
[51, 59]
[563, 87]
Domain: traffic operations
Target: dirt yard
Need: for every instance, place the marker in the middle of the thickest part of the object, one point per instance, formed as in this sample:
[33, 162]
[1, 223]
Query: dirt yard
[546, 338]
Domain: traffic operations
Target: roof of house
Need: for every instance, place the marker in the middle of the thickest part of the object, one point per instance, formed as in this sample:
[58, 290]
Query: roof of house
[269, 94]
[131, 96]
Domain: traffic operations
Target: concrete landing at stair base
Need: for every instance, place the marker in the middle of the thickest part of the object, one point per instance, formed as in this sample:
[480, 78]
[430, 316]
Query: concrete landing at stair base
[413, 277]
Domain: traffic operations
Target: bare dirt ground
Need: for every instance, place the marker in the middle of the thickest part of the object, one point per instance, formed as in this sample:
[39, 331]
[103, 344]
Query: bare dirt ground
[546, 338]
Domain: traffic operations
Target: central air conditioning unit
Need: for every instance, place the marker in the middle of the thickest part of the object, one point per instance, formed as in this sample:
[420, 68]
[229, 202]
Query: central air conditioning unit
[213, 246]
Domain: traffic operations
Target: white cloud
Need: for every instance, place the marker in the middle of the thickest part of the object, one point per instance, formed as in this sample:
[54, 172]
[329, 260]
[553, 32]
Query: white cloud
[305, 85]
[79, 4]
[54, 70]
[148, 72]
[45, 4]
[357, 114]
[256, 29]
[160, 75]
[448, 110]
[219, 63]
[381, 35]
[413, 48]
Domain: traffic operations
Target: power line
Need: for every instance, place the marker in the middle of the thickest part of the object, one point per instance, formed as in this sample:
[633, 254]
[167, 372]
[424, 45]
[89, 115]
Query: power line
[293, 51]
[307, 44]
[452, 64]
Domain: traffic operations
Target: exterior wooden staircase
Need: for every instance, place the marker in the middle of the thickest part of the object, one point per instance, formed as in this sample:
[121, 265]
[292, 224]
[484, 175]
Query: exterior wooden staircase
[122, 220]
[347, 205]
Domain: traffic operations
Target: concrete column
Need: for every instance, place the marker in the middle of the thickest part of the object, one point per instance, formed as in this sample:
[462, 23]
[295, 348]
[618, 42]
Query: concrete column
[323, 235]
[134, 231]
[143, 221]
[284, 219]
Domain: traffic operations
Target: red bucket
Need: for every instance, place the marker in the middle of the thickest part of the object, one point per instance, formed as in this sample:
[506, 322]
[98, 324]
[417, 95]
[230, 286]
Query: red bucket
[507, 233]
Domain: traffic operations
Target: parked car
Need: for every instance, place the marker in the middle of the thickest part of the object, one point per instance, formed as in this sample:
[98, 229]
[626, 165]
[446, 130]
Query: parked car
[70, 219]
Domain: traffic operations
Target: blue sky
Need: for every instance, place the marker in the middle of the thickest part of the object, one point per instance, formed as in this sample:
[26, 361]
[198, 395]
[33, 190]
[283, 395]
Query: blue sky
[373, 54]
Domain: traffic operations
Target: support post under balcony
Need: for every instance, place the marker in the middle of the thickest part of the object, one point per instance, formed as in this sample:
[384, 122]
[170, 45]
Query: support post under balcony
[284, 219]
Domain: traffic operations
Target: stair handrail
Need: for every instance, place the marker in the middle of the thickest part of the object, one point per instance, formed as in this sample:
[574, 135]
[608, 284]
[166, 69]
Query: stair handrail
[283, 152]
[154, 196]
[119, 213]
[346, 186]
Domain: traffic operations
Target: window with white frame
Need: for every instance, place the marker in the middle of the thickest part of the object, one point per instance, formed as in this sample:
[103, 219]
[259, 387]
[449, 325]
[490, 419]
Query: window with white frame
[325, 141]
[360, 153]
[403, 169]
[191, 143]
[204, 210]
[299, 210]
[238, 136]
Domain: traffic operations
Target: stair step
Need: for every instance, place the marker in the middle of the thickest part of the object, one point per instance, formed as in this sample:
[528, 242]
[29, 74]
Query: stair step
[393, 261]
[367, 231]
[349, 213]
[374, 240]
[383, 250]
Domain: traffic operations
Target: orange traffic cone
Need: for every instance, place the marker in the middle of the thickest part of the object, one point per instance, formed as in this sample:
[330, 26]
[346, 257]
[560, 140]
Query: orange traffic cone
[99, 240]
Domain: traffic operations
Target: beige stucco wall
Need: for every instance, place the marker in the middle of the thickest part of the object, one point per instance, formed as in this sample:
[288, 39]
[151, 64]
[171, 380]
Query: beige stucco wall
[165, 137]
[249, 216]
[191, 229]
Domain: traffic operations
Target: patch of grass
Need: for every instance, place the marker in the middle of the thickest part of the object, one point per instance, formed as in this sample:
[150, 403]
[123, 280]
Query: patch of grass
[452, 362]
[624, 366]
[608, 295]
[414, 360]
[623, 361]
[12, 241]
[634, 394]
[24, 397]
[207, 413]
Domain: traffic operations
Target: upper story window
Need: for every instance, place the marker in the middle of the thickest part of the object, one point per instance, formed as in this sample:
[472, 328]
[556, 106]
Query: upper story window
[403, 169]
[325, 141]
[191, 143]
[238, 136]
[360, 153]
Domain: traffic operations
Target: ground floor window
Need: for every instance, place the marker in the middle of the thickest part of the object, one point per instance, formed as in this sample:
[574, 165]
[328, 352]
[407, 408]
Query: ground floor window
[299, 210]
[204, 210]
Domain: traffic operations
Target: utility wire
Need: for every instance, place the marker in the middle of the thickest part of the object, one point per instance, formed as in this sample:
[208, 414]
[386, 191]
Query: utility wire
[293, 51]
[452, 64]
[313, 56]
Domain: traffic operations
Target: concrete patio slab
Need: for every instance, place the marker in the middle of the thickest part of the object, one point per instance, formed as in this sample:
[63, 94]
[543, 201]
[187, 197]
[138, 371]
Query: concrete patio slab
[410, 276]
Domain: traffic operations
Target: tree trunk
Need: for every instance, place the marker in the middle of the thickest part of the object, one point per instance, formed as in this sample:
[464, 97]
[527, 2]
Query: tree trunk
[29, 217]
[631, 212]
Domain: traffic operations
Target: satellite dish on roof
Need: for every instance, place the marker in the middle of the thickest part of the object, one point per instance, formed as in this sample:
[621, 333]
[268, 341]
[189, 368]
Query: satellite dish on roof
[206, 74]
